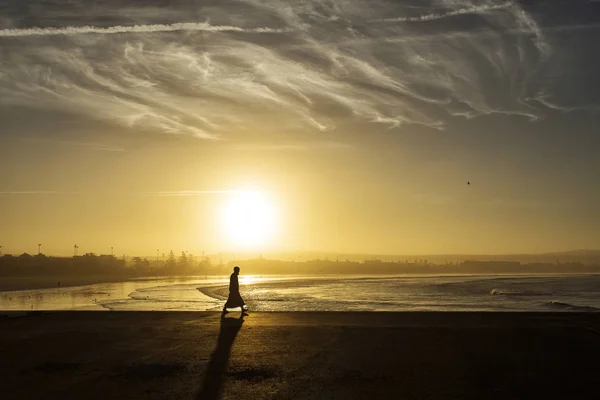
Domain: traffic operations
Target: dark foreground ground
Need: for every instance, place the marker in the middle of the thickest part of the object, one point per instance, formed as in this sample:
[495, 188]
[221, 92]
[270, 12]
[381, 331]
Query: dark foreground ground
[175, 355]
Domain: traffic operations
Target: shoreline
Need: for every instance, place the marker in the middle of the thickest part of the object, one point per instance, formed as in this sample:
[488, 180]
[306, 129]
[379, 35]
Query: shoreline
[20, 283]
[24, 282]
[198, 293]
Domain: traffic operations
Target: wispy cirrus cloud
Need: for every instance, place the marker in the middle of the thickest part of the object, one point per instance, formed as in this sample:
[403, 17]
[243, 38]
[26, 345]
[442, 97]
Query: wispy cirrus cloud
[296, 66]
[295, 147]
[153, 28]
[475, 9]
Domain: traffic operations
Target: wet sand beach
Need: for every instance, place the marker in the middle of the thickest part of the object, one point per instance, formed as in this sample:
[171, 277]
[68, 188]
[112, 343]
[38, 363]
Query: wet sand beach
[300, 355]
[13, 283]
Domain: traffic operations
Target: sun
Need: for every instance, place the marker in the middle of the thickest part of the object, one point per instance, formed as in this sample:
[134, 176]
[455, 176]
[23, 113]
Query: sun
[249, 220]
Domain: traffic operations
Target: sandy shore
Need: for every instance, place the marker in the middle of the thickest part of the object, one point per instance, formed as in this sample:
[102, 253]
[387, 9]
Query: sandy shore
[154, 355]
[11, 283]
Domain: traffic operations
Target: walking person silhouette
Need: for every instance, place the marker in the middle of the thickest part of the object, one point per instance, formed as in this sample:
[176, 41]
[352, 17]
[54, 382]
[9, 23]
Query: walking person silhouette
[235, 298]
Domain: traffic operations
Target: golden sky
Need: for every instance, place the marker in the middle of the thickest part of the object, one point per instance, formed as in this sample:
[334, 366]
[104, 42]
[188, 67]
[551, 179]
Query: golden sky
[355, 125]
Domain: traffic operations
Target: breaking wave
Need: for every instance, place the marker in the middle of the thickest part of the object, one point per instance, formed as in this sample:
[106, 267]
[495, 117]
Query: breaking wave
[498, 292]
[570, 307]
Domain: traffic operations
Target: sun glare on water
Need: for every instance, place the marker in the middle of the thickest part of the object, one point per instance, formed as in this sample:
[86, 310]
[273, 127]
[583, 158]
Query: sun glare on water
[249, 220]
[250, 279]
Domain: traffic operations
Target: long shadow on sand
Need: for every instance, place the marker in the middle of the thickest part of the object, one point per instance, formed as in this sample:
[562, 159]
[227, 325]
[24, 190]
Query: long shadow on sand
[217, 366]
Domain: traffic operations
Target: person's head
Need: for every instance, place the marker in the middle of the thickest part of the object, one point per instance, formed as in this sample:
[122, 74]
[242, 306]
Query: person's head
[236, 270]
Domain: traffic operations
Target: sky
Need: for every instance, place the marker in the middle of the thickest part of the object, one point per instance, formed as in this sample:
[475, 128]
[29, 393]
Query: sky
[384, 127]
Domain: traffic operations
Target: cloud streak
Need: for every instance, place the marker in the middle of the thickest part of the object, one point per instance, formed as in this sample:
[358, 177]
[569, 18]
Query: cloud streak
[28, 192]
[111, 30]
[177, 193]
[482, 9]
[173, 193]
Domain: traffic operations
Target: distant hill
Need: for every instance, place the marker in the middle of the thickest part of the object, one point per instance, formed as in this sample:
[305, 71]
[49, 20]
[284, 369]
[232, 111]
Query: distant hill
[583, 256]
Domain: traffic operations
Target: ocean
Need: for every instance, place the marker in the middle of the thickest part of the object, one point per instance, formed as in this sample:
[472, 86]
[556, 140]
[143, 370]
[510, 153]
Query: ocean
[324, 293]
